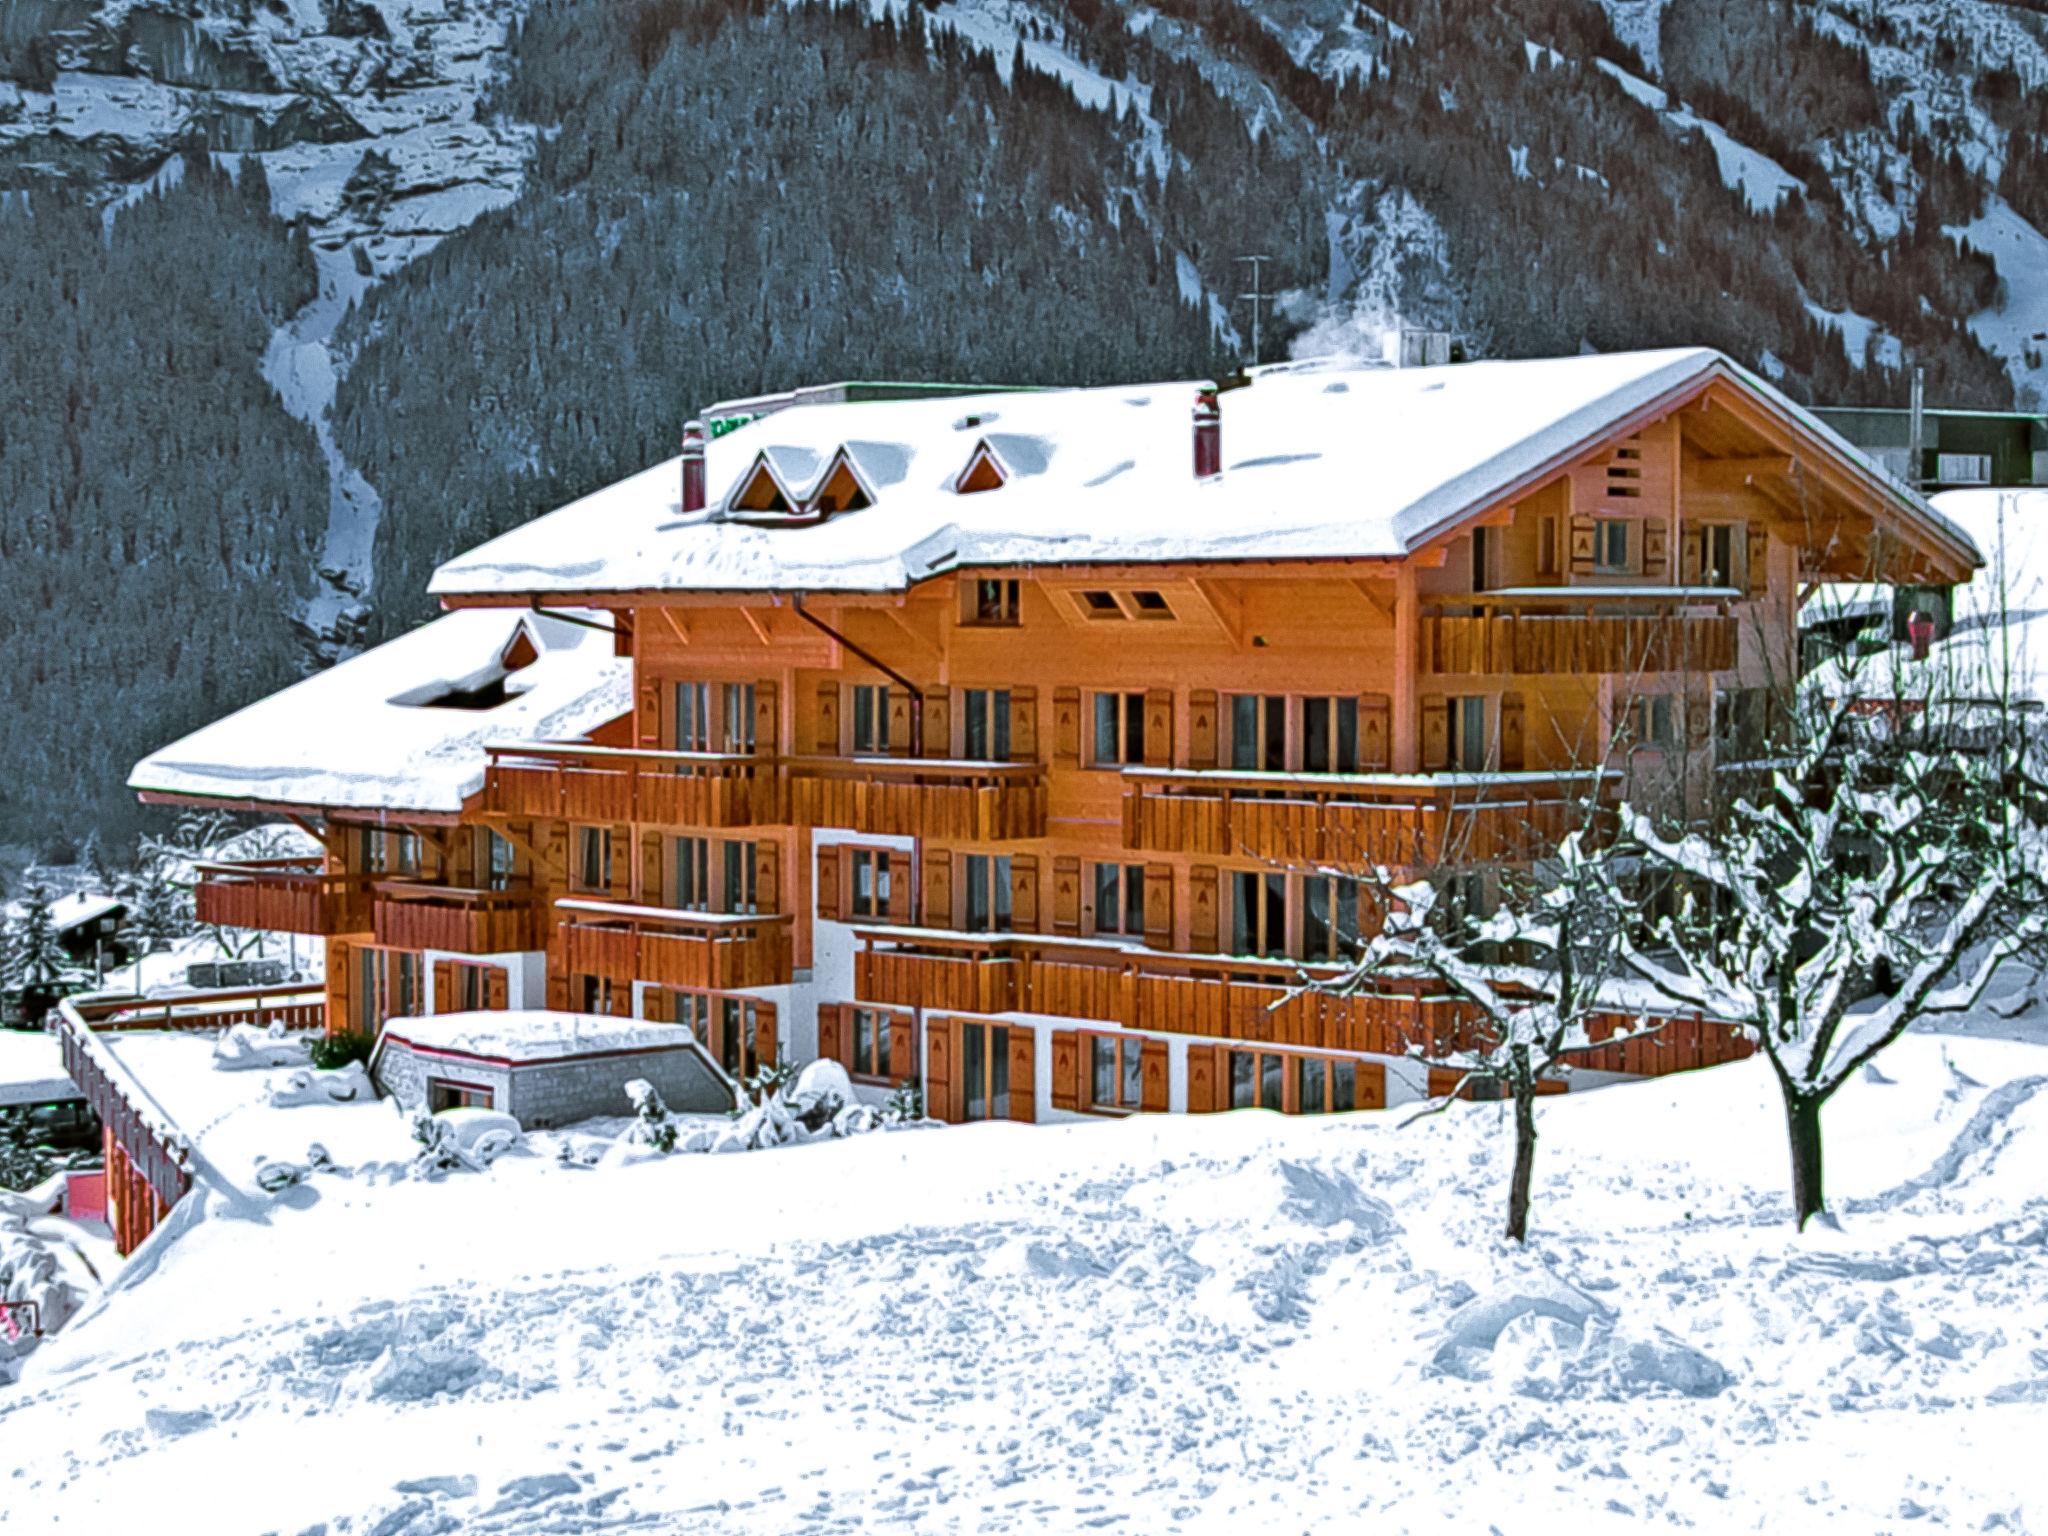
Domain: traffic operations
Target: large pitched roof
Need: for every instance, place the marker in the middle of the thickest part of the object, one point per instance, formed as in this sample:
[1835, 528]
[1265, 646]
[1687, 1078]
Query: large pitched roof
[1320, 462]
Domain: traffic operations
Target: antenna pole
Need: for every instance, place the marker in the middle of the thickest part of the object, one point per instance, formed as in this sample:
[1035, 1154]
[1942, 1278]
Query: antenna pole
[1258, 298]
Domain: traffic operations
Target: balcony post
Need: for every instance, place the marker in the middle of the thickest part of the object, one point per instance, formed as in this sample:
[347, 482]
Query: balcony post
[1407, 634]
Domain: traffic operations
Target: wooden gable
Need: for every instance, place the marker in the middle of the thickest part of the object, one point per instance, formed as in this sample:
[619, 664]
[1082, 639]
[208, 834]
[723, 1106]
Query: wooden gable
[984, 472]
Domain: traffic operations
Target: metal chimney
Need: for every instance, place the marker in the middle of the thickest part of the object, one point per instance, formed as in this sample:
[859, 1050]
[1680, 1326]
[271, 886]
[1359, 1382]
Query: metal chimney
[1208, 434]
[693, 466]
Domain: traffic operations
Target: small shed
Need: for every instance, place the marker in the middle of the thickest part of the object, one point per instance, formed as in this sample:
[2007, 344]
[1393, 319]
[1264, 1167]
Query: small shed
[542, 1067]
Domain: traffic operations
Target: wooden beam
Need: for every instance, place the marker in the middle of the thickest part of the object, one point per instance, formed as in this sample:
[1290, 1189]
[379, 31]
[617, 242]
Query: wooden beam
[1383, 607]
[502, 825]
[754, 623]
[675, 624]
[1225, 607]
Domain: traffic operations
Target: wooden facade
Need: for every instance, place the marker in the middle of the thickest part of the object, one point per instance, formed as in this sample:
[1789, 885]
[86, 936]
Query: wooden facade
[964, 834]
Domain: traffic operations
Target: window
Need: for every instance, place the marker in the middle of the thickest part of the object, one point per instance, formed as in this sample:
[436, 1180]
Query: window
[1467, 734]
[1151, 605]
[1717, 555]
[727, 1027]
[715, 717]
[374, 852]
[1258, 913]
[499, 861]
[871, 874]
[1325, 1087]
[408, 850]
[1610, 544]
[984, 1071]
[1962, 468]
[1482, 549]
[713, 875]
[872, 1051]
[409, 978]
[598, 995]
[1292, 1084]
[593, 859]
[1258, 732]
[1739, 722]
[1116, 1076]
[1329, 917]
[1120, 899]
[1329, 735]
[995, 602]
[871, 717]
[988, 893]
[1546, 546]
[1256, 1080]
[444, 1094]
[1119, 736]
[1100, 605]
[986, 732]
[1653, 721]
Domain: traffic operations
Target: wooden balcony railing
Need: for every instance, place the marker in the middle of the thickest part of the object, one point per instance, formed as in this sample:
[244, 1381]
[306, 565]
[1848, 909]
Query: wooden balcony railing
[283, 896]
[1546, 637]
[706, 950]
[1220, 997]
[616, 785]
[410, 915]
[1353, 820]
[903, 796]
[912, 797]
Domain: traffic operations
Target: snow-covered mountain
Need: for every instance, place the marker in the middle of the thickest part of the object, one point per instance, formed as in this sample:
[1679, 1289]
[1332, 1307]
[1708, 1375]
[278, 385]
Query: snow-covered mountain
[535, 234]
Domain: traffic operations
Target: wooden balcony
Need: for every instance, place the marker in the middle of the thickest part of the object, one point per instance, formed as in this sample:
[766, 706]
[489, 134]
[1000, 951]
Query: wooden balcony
[919, 797]
[1220, 997]
[1352, 820]
[706, 950]
[1519, 635]
[282, 896]
[615, 785]
[409, 915]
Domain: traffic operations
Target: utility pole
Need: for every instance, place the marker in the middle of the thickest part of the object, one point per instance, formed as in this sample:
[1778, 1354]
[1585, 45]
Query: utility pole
[1916, 432]
[1258, 298]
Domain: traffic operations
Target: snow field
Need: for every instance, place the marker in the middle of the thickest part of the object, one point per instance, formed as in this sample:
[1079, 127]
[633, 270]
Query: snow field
[1231, 1322]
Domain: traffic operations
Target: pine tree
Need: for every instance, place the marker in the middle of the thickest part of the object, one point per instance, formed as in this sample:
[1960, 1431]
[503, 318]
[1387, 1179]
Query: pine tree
[159, 909]
[34, 957]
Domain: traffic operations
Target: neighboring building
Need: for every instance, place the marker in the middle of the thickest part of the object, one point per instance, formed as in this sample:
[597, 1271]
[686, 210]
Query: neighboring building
[1960, 450]
[1008, 742]
[88, 926]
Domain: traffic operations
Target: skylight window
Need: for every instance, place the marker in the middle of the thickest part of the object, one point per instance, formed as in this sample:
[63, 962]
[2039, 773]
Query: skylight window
[1101, 605]
[1150, 605]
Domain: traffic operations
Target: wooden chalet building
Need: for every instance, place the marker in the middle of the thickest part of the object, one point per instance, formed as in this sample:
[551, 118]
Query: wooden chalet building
[1007, 742]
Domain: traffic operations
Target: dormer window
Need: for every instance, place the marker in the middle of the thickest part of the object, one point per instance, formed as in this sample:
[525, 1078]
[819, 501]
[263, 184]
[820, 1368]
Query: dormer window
[761, 493]
[984, 472]
[842, 489]
[521, 653]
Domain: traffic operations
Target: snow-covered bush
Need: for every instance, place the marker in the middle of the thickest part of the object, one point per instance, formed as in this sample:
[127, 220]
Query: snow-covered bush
[819, 1092]
[244, 1047]
[905, 1105]
[653, 1126]
[338, 1050]
[454, 1139]
[350, 1085]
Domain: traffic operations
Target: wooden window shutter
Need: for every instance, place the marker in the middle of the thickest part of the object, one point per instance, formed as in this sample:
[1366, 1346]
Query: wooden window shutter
[828, 737]
[1023, 725]
[1066, 1069]
[1656, 546]
[766, 718]
[1204, 886]
[900, 744]
[901, 897]
[648, 715]
[1692, 556]
[938, 890]
[1759, 572]
[1024, 893]
[940, 1036]
[1066, 894]
[1375, 731]
[1436, 732]
[1066, 726]
[1512, 733]
[445, 1000]
[1159, 728]
[650, 868]
[1024, 1073]
[658, 1007]
[497, 988]
[832, 1032]
[1203, 1097]
[767, 1047]
[1372, 1085]
[1698, 713]
[938, 725]
[1202, 728]
[1152, 1075]
[619, 850]
[827, 894]
[558, 988]
[1582, 546]
[1159, 905]
[767, 875]
[902, 1050]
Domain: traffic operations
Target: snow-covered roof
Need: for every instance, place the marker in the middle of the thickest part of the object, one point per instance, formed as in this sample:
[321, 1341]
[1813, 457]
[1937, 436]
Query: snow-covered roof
[536, 1034]
[1327, 461]
[80, 907]
[377, 732]
[32, 1069]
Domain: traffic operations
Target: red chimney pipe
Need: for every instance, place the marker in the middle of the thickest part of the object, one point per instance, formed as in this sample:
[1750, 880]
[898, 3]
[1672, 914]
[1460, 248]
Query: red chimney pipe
[1920, 630]
[1208, 434]
[693, 466]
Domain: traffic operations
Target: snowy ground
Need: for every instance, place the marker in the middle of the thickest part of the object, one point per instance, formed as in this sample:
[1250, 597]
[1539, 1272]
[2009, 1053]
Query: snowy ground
[1234, 1322]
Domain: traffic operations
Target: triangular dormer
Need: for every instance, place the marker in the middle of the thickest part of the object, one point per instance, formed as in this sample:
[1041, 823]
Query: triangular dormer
[761, 493]
[984, 472]
[520, 652]
[843, 489]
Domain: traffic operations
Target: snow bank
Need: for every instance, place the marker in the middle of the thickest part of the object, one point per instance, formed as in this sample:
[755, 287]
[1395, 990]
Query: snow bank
[537, 1034]
[1227, 1323]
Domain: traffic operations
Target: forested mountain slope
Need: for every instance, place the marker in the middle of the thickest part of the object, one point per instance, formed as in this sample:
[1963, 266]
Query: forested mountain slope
[544, 234]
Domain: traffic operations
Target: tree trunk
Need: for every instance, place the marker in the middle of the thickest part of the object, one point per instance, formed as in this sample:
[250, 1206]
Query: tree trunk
[1802, 1126]
[1523, 1086]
